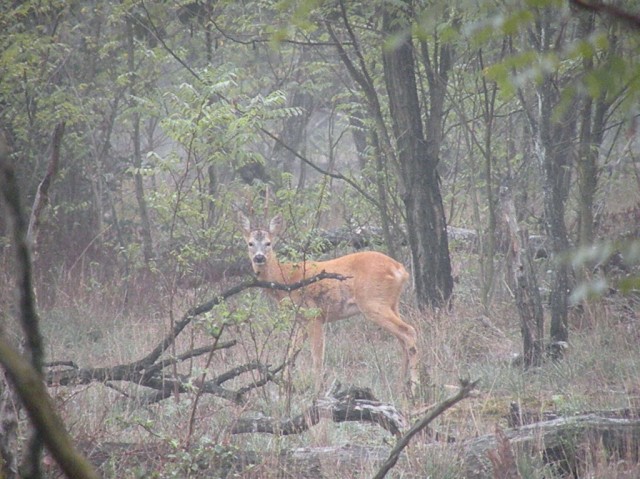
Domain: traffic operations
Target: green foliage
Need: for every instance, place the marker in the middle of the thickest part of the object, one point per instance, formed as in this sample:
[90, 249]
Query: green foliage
[614, 71]
[207, 455]
[597, 259]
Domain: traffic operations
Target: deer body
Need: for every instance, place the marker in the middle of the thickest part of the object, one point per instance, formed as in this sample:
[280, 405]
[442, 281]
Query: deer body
[373, 285]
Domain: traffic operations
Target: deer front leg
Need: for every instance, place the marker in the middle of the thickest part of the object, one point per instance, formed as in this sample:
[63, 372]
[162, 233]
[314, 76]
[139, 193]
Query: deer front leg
[296, 341]
[315, 330]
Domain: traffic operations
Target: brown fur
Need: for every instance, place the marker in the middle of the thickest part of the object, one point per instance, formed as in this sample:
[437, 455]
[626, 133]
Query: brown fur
[373, 287]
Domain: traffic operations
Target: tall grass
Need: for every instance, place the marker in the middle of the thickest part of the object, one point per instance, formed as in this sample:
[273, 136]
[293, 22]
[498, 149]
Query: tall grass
[599, 372]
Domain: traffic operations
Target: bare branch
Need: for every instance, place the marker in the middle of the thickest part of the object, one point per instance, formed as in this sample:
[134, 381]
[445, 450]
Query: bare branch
[465, 390]
[613, 11]
[42, 194]
[27, 305]
[146, 371]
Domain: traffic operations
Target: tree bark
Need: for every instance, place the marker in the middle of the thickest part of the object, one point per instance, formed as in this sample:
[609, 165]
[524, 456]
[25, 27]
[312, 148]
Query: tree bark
[417, 161]
[553, 150]
[525, 286]
[592, 123]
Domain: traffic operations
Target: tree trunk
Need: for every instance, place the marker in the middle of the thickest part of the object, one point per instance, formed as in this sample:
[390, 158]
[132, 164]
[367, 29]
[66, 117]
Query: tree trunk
[147, 243]
[554, 153]
[294, 134]
[593, 119]
[417, 160]
[552, 143]
[525, 286]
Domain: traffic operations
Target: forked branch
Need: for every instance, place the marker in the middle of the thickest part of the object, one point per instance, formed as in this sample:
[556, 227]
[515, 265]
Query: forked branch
[148, 371]
[466, 387]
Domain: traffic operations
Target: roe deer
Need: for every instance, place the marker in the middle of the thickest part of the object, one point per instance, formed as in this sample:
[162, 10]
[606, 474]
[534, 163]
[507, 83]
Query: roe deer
[372, 288]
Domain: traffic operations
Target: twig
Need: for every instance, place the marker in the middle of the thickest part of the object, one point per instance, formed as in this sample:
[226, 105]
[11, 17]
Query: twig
[192, 353]
[465, 389]
[208, 306]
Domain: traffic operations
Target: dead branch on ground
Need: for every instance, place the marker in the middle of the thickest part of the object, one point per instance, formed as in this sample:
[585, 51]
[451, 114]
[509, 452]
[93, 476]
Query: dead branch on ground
[340, 405]
[558, 442]
[150, 371]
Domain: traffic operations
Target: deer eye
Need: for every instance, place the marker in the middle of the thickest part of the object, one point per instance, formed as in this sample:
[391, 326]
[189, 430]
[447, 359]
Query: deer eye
[268, 243]
[250, 243]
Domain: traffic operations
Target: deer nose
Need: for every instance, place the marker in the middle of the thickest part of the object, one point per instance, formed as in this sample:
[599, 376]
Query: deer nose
[259, 259]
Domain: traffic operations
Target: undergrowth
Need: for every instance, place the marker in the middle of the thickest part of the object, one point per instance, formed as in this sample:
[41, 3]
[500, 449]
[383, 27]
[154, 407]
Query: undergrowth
[132, 439]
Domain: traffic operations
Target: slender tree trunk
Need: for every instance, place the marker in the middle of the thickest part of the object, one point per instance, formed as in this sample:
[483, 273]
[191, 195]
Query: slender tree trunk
[524, 284]
[294, 134]
[381, 170]
[592, 124]
[147, 243]
[489, 95]
[553, 149]
[383, 197]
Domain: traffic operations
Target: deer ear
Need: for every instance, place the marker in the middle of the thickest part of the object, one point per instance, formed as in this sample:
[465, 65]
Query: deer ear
[244, 222]
[276, 225]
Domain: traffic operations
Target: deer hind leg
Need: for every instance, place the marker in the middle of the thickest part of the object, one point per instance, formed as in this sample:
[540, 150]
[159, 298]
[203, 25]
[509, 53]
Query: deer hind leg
[389, 319]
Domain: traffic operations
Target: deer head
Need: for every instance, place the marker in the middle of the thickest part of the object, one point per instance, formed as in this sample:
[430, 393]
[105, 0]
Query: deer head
[260, 242]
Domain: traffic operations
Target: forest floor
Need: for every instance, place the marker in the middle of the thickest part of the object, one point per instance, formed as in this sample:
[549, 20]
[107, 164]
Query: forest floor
[189, 435]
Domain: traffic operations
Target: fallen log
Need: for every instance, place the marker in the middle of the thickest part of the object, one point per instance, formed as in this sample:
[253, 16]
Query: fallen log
[340, 405]
[558, 442]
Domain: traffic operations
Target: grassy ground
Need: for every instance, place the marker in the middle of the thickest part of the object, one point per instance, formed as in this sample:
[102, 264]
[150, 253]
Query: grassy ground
[172, 437]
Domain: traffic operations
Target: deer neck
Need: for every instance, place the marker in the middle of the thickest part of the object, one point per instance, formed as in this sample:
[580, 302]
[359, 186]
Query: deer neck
[276, 272]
